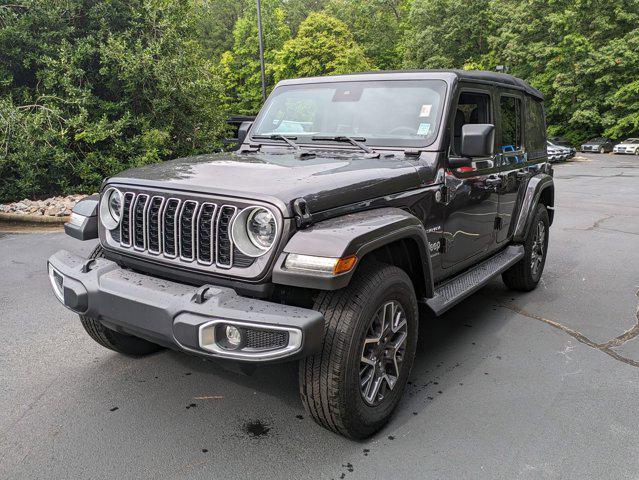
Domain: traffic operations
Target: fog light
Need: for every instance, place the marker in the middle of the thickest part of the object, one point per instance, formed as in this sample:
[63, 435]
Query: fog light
[233, 335]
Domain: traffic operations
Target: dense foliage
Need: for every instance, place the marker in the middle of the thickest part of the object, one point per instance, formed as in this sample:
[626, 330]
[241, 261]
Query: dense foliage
[88, 88]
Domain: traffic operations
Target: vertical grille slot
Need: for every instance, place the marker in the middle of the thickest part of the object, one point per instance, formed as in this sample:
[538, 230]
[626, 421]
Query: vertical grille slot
[153, 225]
[224, 250]
[169, 227]
[187, 230]
[206, 233]
[139, 222]
[125, 225]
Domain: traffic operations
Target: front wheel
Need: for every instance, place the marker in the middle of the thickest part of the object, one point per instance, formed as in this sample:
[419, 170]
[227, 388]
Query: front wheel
[525, 274]
[602, 150]
[353, 385]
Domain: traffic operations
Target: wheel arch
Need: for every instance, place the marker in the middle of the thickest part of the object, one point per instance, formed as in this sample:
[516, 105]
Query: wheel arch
[540, 190]
[389, 235]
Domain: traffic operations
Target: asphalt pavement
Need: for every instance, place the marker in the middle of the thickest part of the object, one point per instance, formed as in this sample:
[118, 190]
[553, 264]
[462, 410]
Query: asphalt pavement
[543, 385]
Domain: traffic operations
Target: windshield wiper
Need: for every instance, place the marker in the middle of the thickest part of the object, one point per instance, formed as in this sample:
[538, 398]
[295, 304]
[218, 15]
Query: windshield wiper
[357, 142]
[289, 140]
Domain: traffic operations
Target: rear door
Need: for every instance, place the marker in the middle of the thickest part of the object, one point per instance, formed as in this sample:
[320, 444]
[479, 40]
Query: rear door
[512, 158]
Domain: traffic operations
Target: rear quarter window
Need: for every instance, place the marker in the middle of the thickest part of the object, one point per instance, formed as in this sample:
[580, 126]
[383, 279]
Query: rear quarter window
[535, 128]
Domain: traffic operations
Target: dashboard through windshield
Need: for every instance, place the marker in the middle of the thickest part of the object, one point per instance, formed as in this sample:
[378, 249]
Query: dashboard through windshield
[393, 113]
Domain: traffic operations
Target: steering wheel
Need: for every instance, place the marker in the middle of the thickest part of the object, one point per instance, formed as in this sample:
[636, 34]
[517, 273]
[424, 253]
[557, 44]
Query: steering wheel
[401, 130]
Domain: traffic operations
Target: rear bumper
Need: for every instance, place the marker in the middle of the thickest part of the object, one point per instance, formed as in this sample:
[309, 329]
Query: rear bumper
[181, 316]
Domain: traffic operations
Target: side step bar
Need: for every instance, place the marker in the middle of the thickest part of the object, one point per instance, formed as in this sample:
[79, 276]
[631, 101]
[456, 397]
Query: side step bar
[466, 283]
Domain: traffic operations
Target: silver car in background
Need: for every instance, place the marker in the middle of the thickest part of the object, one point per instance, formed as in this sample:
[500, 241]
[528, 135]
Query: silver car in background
[629, 146]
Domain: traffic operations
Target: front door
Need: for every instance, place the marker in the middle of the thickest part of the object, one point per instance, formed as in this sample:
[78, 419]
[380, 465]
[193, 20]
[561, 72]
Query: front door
[472, 200]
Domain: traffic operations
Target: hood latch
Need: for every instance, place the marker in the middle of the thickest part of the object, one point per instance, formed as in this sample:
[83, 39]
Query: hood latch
[303, 217]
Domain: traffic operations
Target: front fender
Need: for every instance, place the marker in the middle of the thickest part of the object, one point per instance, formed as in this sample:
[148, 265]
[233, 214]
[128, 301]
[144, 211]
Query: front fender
[353, 234]
[83, 224]
[541, 184]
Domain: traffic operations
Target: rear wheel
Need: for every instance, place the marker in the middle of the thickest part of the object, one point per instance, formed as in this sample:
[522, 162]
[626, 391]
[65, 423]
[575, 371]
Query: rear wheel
[119, 342]
[526, 273]
[353, 385]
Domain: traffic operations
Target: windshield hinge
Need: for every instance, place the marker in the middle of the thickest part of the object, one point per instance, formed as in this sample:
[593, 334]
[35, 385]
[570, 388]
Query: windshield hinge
[303, 217]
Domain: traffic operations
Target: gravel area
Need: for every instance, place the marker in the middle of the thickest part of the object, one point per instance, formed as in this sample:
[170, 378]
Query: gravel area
[52, 207]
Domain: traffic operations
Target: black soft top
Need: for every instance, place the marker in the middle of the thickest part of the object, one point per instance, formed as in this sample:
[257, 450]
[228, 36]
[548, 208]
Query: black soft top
[477, 76]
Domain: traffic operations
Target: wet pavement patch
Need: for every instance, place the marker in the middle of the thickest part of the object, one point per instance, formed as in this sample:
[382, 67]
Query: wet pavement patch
[113, 409]
[191, 405]
[366, 451]
[256, 428]
[299, 417]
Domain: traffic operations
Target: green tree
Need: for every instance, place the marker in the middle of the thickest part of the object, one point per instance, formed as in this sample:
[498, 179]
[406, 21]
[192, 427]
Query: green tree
[240, 67]
[377, 26]
[90, 88]
[582, 55]
[323, 46]
[446, 33]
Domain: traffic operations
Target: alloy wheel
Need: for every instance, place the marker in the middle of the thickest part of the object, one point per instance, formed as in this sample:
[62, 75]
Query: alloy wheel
[383, 352]
[538, 249]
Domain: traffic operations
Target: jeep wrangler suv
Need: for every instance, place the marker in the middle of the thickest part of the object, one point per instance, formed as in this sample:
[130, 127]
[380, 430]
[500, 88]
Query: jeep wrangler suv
[351, 204]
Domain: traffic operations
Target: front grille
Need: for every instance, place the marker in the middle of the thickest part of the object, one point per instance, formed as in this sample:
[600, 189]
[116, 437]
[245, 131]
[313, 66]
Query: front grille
[265, 339]
[185, 230]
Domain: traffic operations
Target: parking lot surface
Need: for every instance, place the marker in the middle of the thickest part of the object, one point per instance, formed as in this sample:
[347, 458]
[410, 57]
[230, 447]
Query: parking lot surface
[505, 385]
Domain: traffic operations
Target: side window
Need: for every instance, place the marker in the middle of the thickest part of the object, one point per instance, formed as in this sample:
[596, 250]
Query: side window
[511, 133]
[471, 108]
[535, 127]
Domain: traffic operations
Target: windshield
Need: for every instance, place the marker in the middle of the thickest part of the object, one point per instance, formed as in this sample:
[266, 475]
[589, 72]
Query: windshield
[632, 140]
[397, 113]
[598, 140]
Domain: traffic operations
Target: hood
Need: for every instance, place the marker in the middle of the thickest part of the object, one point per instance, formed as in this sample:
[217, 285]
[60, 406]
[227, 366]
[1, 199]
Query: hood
[592, 144]
[325, 181]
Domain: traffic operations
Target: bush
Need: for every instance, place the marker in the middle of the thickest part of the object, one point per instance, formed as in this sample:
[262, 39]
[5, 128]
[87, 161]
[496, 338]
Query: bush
[88, 89]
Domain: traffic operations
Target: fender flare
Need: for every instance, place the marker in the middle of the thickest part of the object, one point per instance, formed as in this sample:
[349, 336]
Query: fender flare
[536, 186]
[85, 227]
[353, 234]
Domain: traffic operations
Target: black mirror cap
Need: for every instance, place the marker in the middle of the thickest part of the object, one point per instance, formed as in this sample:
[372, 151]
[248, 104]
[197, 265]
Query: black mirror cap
[478, 140]
[242, 132]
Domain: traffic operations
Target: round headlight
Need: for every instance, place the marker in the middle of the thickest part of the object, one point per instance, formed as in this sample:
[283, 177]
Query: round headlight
[254, 231]
[111, 208]
[261, 228]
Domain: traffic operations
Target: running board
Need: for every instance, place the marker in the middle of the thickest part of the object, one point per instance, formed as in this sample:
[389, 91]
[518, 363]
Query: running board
[455, 290]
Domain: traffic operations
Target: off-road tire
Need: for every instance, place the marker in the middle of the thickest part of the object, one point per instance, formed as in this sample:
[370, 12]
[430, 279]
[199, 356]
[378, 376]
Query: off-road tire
[521, 276]
[119, 342]
[329, 380]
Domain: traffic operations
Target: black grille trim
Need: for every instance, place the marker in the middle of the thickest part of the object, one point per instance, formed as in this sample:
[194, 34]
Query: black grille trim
[139, 222]
[154, 225]
[187, 233]
[224, 244]
[183, 229]
[169, 227]
[125, 225]
[206, 233]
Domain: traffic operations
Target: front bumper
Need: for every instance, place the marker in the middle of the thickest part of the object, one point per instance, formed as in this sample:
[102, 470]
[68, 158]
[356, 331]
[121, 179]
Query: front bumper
[182, 316]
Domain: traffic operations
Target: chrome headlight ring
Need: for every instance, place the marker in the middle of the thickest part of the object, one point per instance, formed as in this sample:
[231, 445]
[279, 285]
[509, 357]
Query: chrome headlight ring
[254, 231]
[111, 208]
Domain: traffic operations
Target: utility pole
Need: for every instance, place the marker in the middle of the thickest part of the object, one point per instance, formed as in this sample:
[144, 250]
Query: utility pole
[261, 40]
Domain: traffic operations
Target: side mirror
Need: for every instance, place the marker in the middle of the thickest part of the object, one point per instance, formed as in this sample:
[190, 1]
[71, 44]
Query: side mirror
[478, 140]
[242, 131]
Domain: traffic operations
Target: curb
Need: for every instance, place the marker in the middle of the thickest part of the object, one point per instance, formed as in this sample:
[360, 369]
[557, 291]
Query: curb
[32, 219]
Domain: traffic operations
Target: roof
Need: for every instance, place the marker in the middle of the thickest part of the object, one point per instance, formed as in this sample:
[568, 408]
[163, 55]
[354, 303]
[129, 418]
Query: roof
[477, 76]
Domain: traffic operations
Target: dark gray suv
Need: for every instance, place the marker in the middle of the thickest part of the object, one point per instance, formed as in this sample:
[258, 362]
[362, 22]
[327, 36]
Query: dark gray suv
[353, 204]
